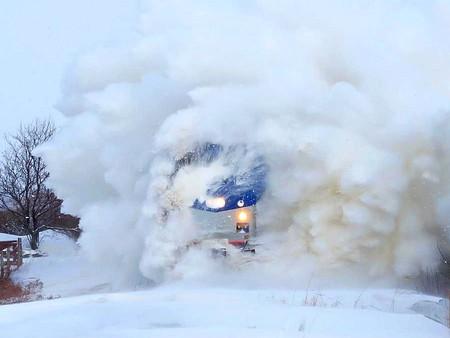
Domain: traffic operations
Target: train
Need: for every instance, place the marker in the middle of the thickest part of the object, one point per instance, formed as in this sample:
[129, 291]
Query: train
[226, 214]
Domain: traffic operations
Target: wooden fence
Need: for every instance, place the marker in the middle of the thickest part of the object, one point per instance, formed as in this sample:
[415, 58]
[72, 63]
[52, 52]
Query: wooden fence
[10, 257]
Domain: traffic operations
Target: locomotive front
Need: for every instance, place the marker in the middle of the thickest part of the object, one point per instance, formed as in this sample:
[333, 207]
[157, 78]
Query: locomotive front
[227, 211]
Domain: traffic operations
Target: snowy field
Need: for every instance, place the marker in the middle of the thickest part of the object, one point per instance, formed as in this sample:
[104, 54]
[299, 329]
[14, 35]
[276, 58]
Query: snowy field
[182, 311]
[195, 307]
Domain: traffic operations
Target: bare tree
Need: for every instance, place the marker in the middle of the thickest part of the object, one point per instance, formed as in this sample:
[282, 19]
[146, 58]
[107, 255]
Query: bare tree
[30, 205]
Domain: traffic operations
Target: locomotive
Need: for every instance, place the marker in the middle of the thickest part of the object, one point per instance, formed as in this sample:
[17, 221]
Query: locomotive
[226, 214]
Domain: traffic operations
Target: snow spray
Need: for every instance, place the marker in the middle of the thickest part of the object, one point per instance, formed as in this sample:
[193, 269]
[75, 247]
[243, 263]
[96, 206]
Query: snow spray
[347, 101]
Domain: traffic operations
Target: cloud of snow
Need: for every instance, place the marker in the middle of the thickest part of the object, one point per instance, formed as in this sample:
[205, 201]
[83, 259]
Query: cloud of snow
[349, 103]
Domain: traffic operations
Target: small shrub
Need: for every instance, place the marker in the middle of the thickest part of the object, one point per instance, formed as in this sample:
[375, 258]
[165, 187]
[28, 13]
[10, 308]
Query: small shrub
[315, 300]
[11, 292]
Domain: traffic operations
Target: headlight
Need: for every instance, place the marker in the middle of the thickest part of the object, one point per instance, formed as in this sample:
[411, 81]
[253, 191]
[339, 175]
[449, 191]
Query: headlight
[243, 216]
[215, 203]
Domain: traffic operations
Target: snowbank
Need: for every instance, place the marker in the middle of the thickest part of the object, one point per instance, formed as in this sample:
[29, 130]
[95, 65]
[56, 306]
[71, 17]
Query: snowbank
[180, 311]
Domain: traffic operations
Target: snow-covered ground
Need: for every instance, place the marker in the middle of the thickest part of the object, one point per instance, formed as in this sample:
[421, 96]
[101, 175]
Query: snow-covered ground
[65, 271]
[181, 311]
[202, 308]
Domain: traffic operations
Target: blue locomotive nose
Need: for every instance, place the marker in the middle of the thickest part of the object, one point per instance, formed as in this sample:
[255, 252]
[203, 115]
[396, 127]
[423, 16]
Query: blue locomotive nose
[243, 188]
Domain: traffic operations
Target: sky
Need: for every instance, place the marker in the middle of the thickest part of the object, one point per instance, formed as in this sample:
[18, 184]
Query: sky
[40, 39]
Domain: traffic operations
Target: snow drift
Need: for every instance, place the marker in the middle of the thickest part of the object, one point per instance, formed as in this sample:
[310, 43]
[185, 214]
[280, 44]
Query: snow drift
[348, 102]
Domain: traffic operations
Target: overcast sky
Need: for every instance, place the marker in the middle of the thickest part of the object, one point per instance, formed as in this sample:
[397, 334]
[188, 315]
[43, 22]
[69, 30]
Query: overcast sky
[40, 38]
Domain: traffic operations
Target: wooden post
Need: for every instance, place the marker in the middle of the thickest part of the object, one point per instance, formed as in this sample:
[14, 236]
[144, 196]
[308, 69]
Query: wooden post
[19, 252]
[2, 267]
[8, 261]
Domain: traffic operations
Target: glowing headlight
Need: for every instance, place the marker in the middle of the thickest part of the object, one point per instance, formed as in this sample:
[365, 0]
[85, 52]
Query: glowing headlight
[215, 203]
[243, 216]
